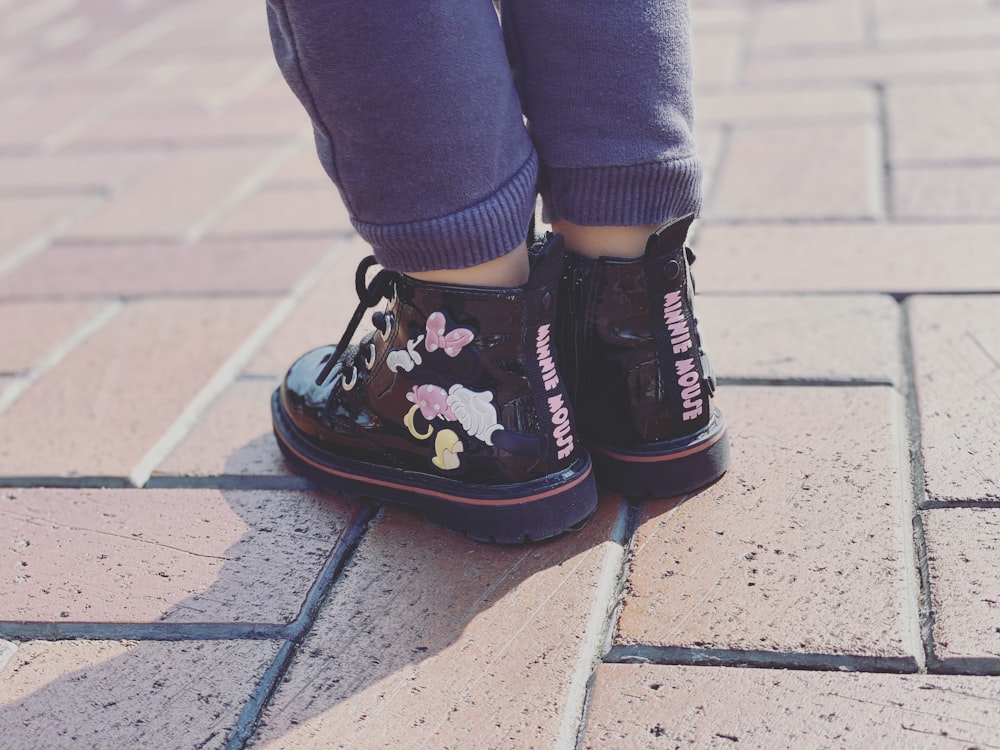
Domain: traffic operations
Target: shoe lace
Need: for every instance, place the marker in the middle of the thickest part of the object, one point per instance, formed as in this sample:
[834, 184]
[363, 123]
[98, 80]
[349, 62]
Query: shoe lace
[369, 294]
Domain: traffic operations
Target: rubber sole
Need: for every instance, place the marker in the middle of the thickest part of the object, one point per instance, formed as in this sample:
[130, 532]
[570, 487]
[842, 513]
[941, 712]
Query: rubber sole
[506, 514]
[665, 469]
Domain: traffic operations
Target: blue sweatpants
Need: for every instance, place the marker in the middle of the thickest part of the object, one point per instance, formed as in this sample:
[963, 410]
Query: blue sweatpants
[438, 126]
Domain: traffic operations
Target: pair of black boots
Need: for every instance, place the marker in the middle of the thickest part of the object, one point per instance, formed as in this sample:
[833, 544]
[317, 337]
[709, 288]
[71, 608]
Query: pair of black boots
[492, 409]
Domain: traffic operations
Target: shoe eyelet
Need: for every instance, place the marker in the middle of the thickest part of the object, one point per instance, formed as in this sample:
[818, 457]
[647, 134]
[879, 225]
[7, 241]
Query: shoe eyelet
[387, 321]
[547, 301]
[346, 384]
[370, 357]
[671, 269]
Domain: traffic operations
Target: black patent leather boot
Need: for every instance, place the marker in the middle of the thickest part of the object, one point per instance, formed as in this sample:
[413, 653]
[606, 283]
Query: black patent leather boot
[639, 378]
[455, 404]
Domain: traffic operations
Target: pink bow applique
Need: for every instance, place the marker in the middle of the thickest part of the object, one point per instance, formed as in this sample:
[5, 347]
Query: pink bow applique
[452, 341]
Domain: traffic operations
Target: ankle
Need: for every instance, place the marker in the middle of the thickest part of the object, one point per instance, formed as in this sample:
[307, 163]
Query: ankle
[509, 270]
[597, 242]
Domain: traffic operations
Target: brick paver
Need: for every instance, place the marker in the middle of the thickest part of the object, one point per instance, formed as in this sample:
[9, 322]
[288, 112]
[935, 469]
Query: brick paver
[946, 193]
[31, 330]
[38, 117]
[128, 693]
[809, 26]
[302, 169]
[962, 546]
[800, 337]
[949, 27]
[493, 658]
[72, 172]
[644, 706]
[978, 62]
[293, 210]
[318, 319]
[944, 122]
[745, 107]
[163, 555]
[27, 219]
[137, 128]
[956, 350]
[142, 269]
[808, 172]
[174, 195]
[126, 385]
[716, 58]
[169, 244]
[795, 550]
[233, 438]
[846, 257]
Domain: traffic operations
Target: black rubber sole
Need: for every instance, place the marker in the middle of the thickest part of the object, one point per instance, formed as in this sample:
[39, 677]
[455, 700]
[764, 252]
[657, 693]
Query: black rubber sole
[506, 514]
[665, 469]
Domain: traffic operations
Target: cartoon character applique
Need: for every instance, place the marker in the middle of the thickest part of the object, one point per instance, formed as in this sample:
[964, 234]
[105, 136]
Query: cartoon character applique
[451, 342]
[473, 410]
[405, 359]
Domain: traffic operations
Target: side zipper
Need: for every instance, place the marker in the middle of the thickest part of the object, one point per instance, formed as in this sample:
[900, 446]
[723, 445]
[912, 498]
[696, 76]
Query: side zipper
[578, 317]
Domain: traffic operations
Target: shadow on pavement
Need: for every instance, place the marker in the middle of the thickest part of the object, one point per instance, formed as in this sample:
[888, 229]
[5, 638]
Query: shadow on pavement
[416, 609]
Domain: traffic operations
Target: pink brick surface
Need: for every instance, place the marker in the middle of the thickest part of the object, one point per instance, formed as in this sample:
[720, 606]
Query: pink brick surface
[24, 219]
[716, 59]
[205, 86]
[907, 63]
[234, 437]
[30, 330]
[812, 172]
[891, 11]
[116, 694]
[950, 121]
[962, 546]
[744, 106]
[645, 706]
[287, 211]
[801, 547]
[432, 640]
[828, 257]
[163, 555]
[834, 337]
[182, 129]
[7, 381]
[169, 199]
[947, 192]
[103, 407]
[809, 26]
[956, 350]
[302, 169]
[722, 16]
[942, 27]
[158, 268]
[41, 116]
[92, 172]
[319, 318]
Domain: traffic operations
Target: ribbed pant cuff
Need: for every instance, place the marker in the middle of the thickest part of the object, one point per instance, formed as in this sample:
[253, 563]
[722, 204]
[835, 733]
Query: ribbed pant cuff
[474, 235]
[623, 196]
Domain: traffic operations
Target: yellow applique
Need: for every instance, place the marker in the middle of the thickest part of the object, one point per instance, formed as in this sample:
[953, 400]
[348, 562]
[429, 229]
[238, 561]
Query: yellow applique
[408, 421]
[447, 446]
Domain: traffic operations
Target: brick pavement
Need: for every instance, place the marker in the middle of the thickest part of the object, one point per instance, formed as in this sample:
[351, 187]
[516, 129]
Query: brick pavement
[168, 244]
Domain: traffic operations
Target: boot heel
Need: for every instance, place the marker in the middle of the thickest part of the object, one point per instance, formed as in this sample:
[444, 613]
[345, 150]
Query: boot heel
[668, 468]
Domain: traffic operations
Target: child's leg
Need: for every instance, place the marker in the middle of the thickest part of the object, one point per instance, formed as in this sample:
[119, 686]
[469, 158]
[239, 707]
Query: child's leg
[418, 123]
[606, 88]
[455, 403]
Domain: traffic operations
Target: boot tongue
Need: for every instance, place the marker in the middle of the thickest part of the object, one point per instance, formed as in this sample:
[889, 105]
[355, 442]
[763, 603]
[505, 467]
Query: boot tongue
[669, 237]
[547, 264]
